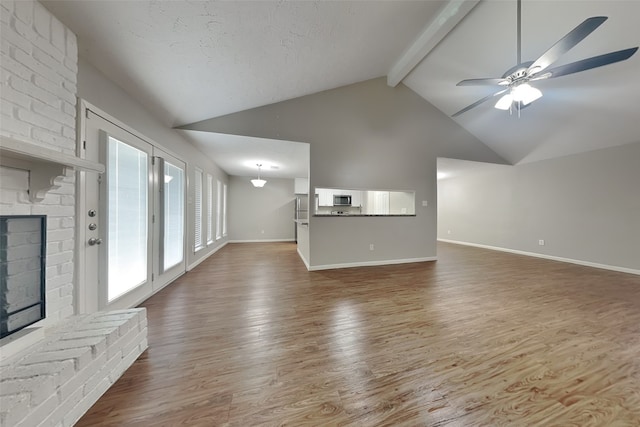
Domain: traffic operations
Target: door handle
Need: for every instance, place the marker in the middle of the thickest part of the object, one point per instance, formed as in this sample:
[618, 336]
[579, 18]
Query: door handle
[93, 241]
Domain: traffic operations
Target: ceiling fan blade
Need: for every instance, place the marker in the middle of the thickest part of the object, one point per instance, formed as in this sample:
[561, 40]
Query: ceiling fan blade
[483, 82]
[475, 104]
[589, 63]
[563, 45]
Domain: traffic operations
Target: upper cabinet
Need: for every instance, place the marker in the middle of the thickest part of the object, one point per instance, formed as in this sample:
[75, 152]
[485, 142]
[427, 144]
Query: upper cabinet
[301, 186]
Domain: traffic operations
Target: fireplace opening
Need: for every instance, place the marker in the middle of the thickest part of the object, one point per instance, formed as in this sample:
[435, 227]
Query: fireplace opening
[22, 271]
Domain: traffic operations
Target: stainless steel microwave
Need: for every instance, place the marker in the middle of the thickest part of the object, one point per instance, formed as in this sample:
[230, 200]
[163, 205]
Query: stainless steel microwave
[341, 200]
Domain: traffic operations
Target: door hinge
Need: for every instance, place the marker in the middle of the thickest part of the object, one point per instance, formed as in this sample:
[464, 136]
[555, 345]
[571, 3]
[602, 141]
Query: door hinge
[84, 145]
[153, 160]
[152, 277]
[153, 219]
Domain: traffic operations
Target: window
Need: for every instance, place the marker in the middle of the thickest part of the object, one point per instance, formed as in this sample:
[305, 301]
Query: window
[219, 212]
[173, 216]
[209, 209]
[198, 211]
[224, 211]
[127, 223]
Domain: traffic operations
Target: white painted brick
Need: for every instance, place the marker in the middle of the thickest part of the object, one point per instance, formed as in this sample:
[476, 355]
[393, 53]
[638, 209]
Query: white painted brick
[29, 89]
[23, 29]
[60, 372]
[57, 281]
[39, 120]
[14, 127]
[80, 356]
[54, 210]
[8, 196]
[81, 377]
[52, 139]
[9, 35]
[40, 412]
[10, 95]
[6, 10]
[60, 234]
[42, 21]
[134, 342]
[58, 35]
[15, 407]
[102, 373]
[67, 267]
[53, 87]
[97, 344]
[81, 408]
[14, 179]
[39, 388]
[124, 364]
[72, 45]
[111, 335]
[71, 64]
[24, 11]
[53, 113]
[65, 406]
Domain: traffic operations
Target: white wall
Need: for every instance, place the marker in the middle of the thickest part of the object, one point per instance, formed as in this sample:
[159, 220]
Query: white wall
[38, 105]
[261, 214]
[97, 89]
[586, 207]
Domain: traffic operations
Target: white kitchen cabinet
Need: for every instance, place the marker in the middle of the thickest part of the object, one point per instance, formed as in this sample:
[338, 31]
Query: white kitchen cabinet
[325, 196]
[301, 186]
[356, 198]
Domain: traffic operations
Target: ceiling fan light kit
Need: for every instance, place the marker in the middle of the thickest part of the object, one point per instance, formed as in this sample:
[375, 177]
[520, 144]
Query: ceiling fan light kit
[514, 84]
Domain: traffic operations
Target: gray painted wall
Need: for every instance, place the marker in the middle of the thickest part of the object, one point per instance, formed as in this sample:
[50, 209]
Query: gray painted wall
[366, 135]
[261, 213]
[585, 206]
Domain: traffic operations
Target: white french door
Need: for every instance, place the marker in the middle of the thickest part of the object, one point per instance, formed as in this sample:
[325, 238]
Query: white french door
[169, 220]
[131, 218]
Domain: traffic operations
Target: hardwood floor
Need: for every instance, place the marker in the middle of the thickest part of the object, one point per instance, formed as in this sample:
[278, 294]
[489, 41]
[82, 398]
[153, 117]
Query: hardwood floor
[478, 338]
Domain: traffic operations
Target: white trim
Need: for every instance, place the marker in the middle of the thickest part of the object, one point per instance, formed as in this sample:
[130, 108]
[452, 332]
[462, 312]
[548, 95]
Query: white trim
[371, 263]
[262, 241]
[550, 257]
[304, 260]
[199, 260]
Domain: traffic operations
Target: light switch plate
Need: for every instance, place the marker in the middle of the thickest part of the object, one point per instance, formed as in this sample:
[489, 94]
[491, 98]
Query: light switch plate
[425, 203]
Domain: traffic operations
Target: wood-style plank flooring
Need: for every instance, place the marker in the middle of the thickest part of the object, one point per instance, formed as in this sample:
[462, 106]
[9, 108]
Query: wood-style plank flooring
[478, 338]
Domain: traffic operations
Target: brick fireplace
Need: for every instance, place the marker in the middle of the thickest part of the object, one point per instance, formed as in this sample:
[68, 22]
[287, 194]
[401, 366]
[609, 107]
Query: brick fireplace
[53, 371]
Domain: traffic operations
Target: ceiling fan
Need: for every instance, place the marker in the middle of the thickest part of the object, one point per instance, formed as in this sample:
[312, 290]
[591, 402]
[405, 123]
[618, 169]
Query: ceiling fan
[514, 83]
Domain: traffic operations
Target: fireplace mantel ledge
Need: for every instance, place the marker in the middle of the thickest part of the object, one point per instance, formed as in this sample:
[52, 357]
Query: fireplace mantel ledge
[46, 167]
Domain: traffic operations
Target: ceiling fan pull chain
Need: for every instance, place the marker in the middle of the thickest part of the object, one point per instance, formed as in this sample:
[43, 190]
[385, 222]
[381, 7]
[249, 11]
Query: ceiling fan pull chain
[519, 36]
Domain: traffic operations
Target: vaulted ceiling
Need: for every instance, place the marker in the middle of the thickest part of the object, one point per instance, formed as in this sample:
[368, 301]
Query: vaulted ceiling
[189, 61]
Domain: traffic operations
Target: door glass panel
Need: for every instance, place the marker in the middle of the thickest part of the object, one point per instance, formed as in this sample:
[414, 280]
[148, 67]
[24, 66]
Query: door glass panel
[173, 215]
[127, 218]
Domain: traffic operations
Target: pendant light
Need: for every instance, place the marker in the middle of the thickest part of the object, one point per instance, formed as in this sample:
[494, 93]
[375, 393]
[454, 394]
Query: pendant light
[258, 182]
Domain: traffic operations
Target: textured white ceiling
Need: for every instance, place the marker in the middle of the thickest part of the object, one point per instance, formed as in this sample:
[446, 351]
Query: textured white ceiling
[585, 111]
[192, 60]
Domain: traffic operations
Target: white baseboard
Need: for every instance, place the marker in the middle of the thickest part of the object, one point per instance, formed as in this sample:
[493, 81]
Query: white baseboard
[370, 263]
[551, 257]
[306, 263]
[198, 261]
[262, 241]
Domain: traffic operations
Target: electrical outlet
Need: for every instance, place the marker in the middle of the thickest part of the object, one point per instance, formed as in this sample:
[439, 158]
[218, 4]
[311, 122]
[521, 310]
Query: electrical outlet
[541, 242]
[261, 231]
[448, 231]
[371, 247]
